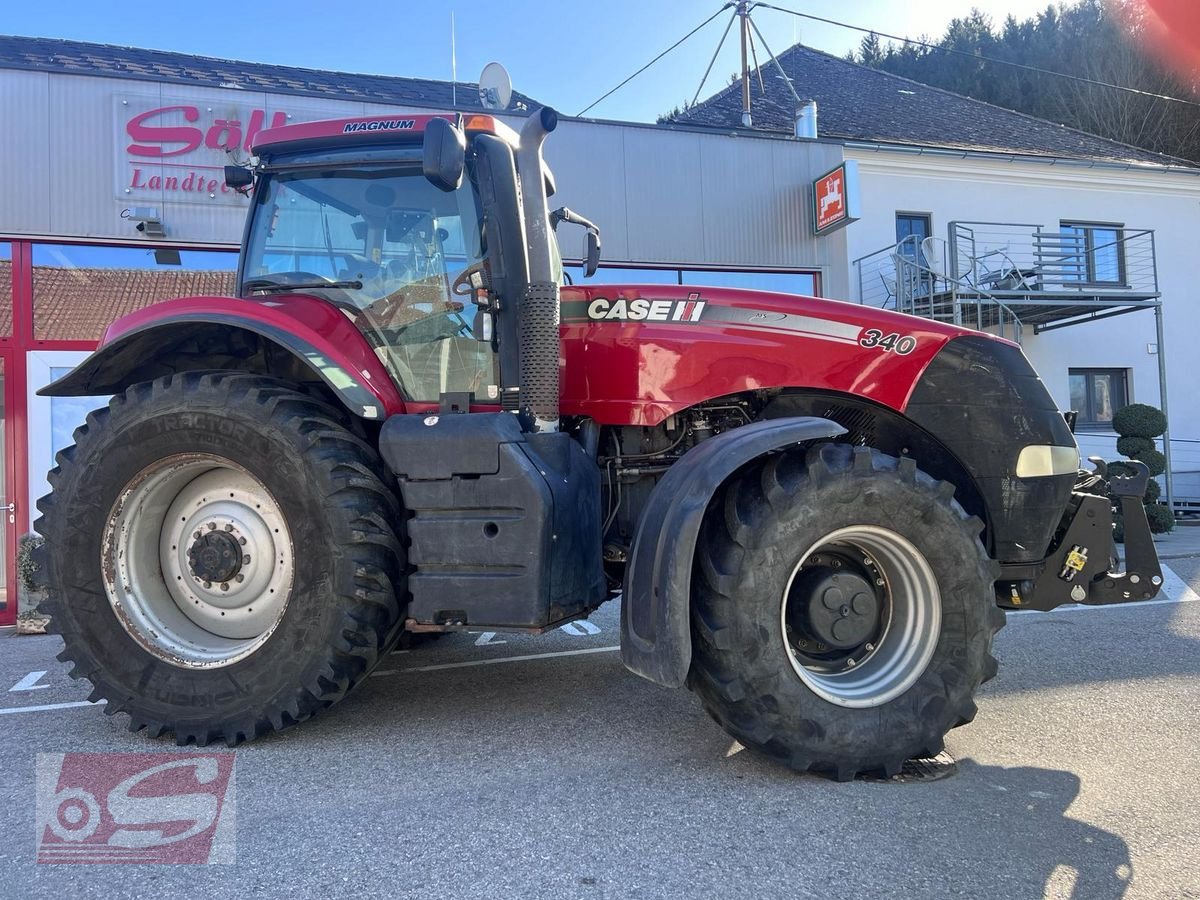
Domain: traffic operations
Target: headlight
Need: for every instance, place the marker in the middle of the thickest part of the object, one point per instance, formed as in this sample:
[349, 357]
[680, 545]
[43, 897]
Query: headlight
[1040, 460]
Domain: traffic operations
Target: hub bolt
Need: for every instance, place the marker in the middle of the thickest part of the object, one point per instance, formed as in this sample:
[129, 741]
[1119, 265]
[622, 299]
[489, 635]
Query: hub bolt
[851, 663]
[212, 526]
[869, 647]
[228, 527]
[240, 578]
[224, 585]
[242, 541]
[196, 535]
[208, 584]
[246, 560]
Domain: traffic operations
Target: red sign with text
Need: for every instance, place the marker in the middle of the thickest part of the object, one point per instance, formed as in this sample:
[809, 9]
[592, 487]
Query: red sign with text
[178, 151]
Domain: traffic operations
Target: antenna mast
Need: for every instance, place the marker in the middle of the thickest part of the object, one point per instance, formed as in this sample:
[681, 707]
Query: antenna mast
[743, 11]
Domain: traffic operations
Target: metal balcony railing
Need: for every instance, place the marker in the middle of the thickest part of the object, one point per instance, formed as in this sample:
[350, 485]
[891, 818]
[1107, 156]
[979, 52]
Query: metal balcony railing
[1030, 263]
[912, 277]
[999, 276]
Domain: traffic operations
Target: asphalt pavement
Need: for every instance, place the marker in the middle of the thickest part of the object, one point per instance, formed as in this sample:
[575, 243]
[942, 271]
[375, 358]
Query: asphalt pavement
[500, 766]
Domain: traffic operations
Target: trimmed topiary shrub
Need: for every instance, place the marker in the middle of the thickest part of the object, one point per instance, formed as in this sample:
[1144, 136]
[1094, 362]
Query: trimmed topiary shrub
[1139, 424]
[1153, 492]
[1154, 460]
[1132, 444]
[1139, 420]
[1161, 519]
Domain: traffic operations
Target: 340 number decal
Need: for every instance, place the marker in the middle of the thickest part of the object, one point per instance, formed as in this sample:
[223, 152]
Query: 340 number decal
[873, 338]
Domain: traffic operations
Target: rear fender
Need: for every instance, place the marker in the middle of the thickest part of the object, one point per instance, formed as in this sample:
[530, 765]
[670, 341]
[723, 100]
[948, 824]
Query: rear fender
[656, 637]
[299, 337]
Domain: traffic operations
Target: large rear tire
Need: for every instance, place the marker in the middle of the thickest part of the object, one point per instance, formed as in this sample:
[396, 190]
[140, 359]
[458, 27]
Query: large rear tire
[221, 556]
[843, 612]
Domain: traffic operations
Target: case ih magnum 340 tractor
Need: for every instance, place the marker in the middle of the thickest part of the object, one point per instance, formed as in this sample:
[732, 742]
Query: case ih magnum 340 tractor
[812, 511]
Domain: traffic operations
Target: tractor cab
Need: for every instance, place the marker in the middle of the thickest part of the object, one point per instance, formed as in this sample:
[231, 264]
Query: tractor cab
[402, 224]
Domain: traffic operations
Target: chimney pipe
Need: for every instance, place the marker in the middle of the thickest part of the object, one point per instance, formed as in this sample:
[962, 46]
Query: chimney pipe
[806, 119]
[539, 316]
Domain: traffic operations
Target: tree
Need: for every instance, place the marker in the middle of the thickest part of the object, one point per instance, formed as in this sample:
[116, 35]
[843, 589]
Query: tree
[1100, 40]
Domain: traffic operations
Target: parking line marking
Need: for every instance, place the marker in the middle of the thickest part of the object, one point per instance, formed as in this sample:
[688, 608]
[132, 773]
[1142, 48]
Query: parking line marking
[29, 683]
[491, 662]
[1174, 588]
[49, 706]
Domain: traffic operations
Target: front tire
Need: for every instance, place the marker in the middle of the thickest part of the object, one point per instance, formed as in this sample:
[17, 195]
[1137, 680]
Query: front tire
[843, 611]
[222, 556]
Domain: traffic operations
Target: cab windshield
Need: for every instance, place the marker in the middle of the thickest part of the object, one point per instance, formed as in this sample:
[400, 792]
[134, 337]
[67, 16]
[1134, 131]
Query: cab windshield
[394, 253]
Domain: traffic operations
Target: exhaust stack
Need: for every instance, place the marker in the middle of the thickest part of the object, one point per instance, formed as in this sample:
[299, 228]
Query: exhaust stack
[539, 315]
[806, 119]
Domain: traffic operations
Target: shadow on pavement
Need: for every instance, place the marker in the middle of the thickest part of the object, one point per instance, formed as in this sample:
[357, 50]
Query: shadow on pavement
[1034, 838]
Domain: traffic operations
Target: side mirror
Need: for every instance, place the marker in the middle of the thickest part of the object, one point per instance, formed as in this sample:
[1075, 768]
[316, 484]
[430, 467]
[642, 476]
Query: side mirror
[591, 253]
[239, 178]
[444, 154]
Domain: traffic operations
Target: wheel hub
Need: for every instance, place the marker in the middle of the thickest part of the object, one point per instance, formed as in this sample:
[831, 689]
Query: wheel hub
[842, 610]
[861, 615]
[215, 556]
[201, 559]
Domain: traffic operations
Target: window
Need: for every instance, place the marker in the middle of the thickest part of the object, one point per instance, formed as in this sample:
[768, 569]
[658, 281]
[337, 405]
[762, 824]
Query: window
[1096, 255]
[911, 229]
[1096, 394]
[79, 289]
[6, 284]
[804, 284]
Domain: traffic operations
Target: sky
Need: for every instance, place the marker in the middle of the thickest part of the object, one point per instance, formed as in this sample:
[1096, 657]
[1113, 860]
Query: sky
[564, 53]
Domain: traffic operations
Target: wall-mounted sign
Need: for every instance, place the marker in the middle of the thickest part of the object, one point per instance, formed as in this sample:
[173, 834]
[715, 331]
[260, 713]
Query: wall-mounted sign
[177, 151]
[835, 198]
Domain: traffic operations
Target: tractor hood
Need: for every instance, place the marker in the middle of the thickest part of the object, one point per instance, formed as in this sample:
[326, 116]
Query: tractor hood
[635, 354]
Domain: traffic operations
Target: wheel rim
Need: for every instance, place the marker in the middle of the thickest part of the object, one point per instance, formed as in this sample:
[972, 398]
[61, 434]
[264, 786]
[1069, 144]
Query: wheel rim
[198, 561]
[861, 615]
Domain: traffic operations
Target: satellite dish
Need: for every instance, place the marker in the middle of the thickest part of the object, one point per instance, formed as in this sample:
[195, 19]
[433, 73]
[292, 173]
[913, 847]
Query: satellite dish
[495, 87]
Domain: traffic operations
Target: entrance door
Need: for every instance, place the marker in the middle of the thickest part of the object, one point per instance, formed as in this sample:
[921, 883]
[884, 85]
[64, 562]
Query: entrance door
[8, 500]
[52, 420]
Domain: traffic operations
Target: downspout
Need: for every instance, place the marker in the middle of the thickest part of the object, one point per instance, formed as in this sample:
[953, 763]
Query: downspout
[539, 315]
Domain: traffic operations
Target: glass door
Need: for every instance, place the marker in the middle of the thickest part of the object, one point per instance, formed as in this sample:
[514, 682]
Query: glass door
[8, 500]
[52, 420]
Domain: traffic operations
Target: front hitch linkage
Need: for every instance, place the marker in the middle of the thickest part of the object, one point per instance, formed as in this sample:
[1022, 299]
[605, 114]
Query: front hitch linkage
[1077, 572]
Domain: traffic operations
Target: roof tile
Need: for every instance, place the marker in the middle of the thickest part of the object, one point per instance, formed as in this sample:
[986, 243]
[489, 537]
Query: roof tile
[75, 57]
[857, 103]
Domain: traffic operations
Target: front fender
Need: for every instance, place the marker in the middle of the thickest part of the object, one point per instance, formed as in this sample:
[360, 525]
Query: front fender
[210, 332]
[656, 637]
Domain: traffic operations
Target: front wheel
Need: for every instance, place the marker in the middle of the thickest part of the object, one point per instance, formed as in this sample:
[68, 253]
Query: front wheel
[843, 610]
[221, 556]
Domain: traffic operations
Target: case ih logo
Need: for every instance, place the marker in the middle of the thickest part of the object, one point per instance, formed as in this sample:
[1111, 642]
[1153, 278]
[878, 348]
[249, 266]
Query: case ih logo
[380, 125]
[602, 309]
[135, 808]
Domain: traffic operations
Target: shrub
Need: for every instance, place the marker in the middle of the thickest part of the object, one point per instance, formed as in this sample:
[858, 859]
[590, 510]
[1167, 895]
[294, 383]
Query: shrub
[1160, 517]
[1153, 492]
[1139, 420]
[1154, 460]
[1133, 444]
[26, 569]
[1122, 468]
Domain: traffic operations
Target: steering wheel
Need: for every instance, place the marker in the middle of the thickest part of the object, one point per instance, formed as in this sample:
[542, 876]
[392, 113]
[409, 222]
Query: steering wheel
[462, 284]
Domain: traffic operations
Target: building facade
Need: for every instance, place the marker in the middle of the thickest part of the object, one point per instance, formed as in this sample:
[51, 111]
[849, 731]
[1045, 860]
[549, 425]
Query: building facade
[114, 199]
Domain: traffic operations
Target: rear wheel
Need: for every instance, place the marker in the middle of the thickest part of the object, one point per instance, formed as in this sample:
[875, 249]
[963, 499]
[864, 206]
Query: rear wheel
[843, 613]
[222, 556]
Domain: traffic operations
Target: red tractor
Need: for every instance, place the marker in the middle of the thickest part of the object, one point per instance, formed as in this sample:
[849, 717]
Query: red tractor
[813, 512]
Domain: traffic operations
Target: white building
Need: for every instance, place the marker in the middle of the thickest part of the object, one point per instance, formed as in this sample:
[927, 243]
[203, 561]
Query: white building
[1081, 239]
